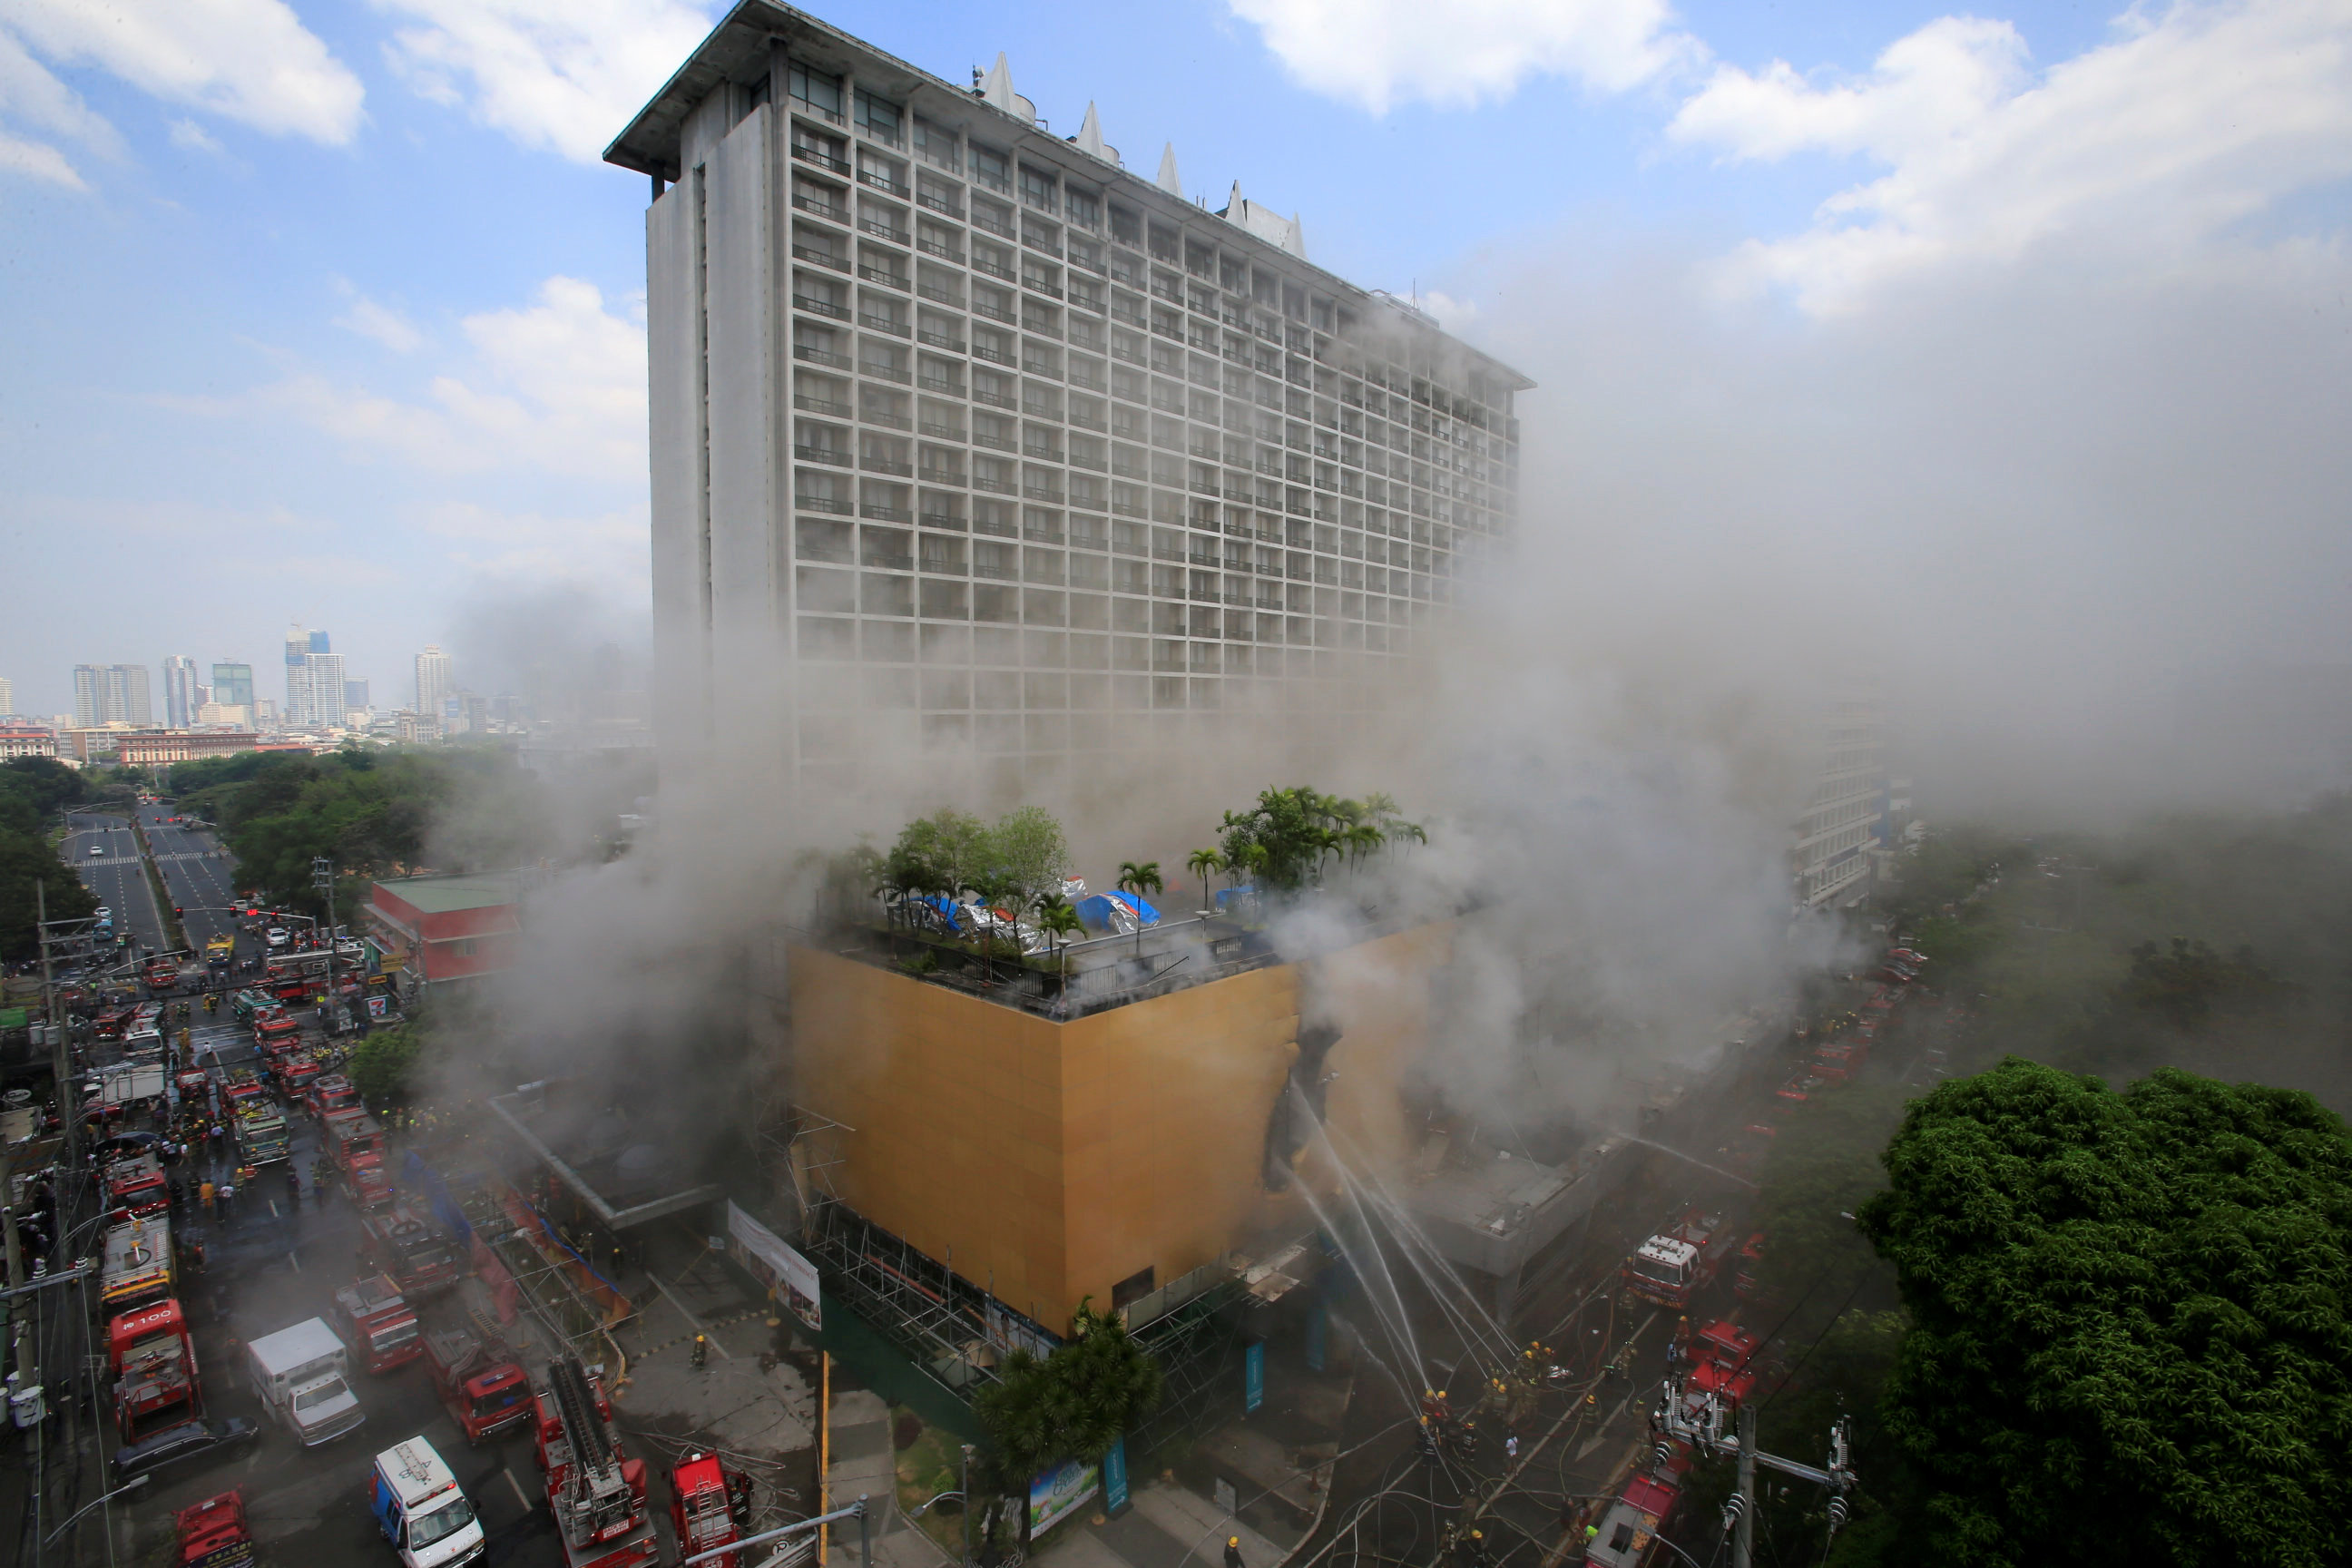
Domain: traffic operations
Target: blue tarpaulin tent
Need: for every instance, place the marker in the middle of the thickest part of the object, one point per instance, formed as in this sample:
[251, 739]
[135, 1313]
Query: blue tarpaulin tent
[1122, 914]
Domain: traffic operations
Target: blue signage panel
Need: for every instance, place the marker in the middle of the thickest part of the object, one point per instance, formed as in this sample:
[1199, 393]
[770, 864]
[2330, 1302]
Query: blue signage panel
[1253, 1376]
[1318, 1332]
[1113, 1474]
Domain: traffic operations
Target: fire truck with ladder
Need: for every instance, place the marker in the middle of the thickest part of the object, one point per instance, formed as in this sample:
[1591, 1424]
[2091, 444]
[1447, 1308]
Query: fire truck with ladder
[154, 1366]
[596, 1493]
[709, 1507]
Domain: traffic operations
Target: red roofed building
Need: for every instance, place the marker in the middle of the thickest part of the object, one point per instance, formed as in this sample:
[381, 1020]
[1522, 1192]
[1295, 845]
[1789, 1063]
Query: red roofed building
[432, 930]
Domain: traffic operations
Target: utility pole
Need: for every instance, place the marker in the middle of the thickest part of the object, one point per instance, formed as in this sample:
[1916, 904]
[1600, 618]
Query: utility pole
[61, 1062]
[1743, 1533]
[322, 878]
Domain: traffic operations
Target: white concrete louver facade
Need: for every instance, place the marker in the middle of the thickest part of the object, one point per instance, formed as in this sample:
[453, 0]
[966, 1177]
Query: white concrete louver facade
[970, 444]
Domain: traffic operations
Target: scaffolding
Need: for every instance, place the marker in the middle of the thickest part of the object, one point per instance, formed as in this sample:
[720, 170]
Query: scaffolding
[957, 1333]
[1197, 1346]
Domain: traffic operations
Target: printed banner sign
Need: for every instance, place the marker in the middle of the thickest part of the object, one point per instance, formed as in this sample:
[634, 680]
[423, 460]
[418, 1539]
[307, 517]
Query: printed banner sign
[776, 1265]
[1253, 1376]
[1114, 1471]
[1058, 1493]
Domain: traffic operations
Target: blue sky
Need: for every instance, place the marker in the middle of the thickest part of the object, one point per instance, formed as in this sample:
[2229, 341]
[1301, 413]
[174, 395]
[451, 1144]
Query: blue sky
[327, 312]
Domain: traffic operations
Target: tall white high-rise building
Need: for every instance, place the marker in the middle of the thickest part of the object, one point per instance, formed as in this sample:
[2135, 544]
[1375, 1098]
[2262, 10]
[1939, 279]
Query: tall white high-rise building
[7, 696]
[970, 444]
[1843, 817]
[110, 694]
[433, 682]
[296, 714]
[326, 689]
[180, 691]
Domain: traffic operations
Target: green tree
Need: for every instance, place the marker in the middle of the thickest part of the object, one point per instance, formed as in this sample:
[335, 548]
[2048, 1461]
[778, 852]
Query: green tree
[939, 854]
[1205, 864]
[2129, 1340]
[1074, 1404]
[382, 1066]
[2186, 982]
[1028, 849]
[1058, 918]
[1139, 878]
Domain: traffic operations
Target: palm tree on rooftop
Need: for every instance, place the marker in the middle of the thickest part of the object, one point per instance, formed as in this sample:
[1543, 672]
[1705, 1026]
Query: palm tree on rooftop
[1059, 921]
[1205, 864]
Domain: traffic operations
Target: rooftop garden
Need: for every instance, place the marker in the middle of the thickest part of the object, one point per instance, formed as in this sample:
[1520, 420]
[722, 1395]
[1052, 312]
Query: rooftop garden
[996, 905]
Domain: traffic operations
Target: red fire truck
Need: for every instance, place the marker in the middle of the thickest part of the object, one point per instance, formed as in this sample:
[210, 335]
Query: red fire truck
[212, 1534]
[597, 1492]
[709, 1507]
[402, 1243]
[275, 1024]
[355, 1143]
[1674, 1266]
[1723, 1363]
[331, 1092]
[375, 1321]
[154, 1365]
[138, 1269]
[485, 1392]
[136, 1186]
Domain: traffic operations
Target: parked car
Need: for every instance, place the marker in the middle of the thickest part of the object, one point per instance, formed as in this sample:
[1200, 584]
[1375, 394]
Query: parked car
[189, 1445]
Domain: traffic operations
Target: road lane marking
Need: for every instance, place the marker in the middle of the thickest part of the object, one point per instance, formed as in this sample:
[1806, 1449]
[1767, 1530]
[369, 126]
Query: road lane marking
[518, 1488]
[273, 1207]
[291, 1261]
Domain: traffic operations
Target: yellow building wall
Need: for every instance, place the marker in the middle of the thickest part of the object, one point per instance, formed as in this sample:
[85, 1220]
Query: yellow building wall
[1045, 1162]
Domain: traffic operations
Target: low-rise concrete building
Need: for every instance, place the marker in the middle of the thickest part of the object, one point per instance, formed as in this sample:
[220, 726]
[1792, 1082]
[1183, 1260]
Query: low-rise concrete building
[429, 930]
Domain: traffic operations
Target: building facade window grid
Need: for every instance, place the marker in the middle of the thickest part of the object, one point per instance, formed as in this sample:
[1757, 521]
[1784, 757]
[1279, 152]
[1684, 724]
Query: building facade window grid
[1326, 469]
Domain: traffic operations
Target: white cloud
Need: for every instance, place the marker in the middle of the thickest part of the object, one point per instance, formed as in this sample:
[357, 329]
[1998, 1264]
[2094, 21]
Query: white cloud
[2180, 127]
[32, 99]
[40, 161]
[381, 323]
[193, 137]
[1377, 53]
[564, 75]
[606, 550]
[1455, 315]
[558, 387]
[251, 61]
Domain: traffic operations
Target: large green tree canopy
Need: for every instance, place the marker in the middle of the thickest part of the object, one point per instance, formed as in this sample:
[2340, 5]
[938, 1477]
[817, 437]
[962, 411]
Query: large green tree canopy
[2129, 1340]
[454, 808]
[31, 791]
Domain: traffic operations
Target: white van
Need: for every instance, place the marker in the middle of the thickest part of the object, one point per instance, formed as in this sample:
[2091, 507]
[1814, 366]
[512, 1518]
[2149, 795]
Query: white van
[299, 1377]
[418, 1506]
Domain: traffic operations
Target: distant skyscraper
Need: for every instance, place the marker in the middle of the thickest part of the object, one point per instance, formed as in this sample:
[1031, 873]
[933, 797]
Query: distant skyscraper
[233, 688]
[89, 695]
[126, 695]
[433, 682]
[326, 685]
[318, 643]
[297, 711]
[180, 691]
[110, 694]
[7, 696]
[356, 693]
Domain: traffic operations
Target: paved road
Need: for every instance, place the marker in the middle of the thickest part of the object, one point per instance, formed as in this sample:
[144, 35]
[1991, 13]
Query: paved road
[116, 874]
[201, 876]
[271, 1264]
